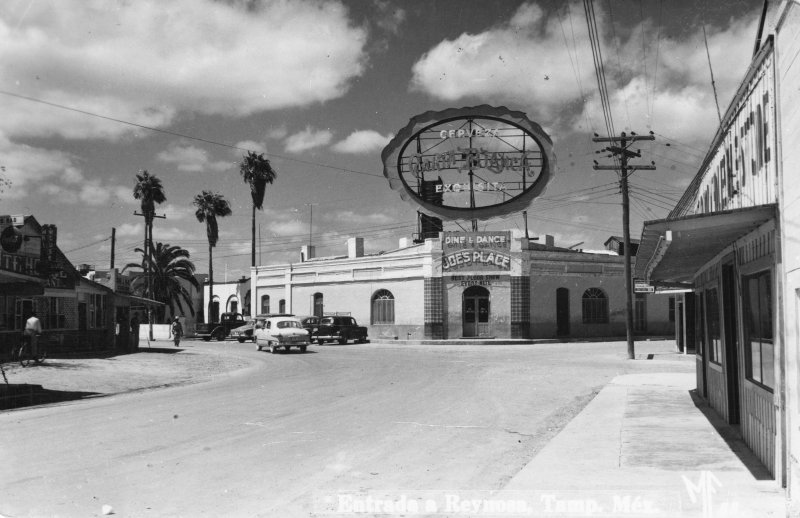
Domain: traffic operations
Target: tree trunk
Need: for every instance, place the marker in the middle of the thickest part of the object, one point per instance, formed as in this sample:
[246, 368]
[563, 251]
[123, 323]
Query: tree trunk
[210, 284]
[253, 240]
[150, 276]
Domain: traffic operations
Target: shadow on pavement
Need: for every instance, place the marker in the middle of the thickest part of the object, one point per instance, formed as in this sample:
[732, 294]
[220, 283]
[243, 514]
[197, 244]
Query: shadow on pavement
[162, 350]
[23, 395]
[732, 438]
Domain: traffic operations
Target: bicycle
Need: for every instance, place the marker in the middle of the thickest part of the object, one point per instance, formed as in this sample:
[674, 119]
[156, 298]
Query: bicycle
[24, 353]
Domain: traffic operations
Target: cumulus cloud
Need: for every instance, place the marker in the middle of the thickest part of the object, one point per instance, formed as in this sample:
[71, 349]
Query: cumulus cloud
[309, 138]
[192, 159]
[527, 62]
[390, 18]
[362, 141]
[287, 228]
[350, 217]
[147, 61]
[130, 229]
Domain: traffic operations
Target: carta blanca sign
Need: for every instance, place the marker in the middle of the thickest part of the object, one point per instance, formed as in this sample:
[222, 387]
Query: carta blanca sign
[470, 163]
[476, 251]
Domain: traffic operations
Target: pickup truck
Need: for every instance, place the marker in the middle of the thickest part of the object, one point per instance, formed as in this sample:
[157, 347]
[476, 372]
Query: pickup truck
[219, 330]
[339, 329]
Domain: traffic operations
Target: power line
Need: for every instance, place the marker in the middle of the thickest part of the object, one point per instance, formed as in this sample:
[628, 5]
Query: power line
[597, 56]
[183, 135]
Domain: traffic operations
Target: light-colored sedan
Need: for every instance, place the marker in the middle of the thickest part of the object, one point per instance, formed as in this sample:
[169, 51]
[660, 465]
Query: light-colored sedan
[281, 332]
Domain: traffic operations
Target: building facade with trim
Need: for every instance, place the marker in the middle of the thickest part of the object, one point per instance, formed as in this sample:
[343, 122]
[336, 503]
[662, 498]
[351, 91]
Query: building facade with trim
[463, 285]
[733, 241]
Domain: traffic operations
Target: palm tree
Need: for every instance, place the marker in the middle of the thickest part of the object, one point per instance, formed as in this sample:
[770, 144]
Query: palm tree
[149, 191]
[169, 265]
[258, 172]
[211, 206]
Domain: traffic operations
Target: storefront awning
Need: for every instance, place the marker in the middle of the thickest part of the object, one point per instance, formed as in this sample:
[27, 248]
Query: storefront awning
[673, 250]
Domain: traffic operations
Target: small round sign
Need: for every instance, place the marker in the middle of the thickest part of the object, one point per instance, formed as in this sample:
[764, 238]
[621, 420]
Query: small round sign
[470, 163]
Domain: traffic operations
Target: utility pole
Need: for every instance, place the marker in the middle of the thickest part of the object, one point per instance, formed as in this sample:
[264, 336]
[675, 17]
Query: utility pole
[113, 245]
[619, 150]
[310, 221]
[148, 246]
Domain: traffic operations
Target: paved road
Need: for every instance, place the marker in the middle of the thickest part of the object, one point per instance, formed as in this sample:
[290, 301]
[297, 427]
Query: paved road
[268, 440]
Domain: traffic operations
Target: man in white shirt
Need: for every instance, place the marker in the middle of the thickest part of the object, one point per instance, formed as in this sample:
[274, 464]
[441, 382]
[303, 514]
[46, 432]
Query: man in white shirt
[33, 328]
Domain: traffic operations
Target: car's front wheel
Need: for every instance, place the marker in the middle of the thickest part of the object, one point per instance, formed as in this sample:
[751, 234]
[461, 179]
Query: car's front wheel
[241, 340]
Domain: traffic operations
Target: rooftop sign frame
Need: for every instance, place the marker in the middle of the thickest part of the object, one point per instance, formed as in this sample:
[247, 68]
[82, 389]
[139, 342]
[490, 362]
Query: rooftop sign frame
[470, 163]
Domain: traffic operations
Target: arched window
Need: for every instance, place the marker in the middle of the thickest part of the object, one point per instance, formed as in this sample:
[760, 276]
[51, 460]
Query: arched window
[264, 304]
[318, 305]
[213, 311]
[595, 306]
[232, 305]
[383, 307]
[282, 306]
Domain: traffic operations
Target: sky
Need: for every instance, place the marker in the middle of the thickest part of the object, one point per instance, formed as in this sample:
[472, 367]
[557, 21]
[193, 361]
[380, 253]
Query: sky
[93, 92]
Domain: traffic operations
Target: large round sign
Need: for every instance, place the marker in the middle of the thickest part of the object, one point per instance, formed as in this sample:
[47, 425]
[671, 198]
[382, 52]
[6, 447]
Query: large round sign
[11, 239]
[469, 163]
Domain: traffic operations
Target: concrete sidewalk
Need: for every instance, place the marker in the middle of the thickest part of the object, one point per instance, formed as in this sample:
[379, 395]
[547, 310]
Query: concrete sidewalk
[646, 446]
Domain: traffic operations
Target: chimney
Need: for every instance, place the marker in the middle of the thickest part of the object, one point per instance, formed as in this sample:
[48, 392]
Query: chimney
[549, 240]
[307, 252]
[355, 247]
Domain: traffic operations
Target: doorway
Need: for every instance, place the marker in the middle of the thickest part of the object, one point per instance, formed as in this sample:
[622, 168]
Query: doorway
[731, 340]
[562, 312]
[475, 309]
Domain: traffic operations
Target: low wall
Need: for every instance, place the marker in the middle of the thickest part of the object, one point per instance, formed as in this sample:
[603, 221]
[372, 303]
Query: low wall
[160, 332]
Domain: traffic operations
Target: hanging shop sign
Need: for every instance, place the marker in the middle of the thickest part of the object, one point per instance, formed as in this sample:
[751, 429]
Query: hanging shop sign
[476, 251]
[470, 163]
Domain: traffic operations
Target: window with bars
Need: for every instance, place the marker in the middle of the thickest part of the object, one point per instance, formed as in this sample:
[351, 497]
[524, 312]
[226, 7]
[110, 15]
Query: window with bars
[595, 306]
[383, 307]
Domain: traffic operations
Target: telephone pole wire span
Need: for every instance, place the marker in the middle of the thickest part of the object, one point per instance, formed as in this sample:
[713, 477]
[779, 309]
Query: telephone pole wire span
[619, 149]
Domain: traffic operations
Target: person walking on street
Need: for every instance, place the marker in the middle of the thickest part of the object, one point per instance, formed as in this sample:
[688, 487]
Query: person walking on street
[177, 331]
[135, 332]
[33, 328]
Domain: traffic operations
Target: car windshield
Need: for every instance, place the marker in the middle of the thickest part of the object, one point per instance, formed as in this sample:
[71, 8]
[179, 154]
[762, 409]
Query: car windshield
[282, 324]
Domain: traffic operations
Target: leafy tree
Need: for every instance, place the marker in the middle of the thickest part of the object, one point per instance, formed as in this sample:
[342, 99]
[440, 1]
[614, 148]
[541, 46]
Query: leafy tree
[211, 206]
[169, 265]
[257, 172]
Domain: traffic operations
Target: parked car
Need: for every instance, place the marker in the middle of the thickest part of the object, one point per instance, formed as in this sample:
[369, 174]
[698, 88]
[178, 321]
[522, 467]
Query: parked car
[285, 332]
[339, 329]
[219, 330]
[244, 333]
[310, 323]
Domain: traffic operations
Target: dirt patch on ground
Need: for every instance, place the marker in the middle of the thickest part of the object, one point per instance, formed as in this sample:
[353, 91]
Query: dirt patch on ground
[63, 378]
